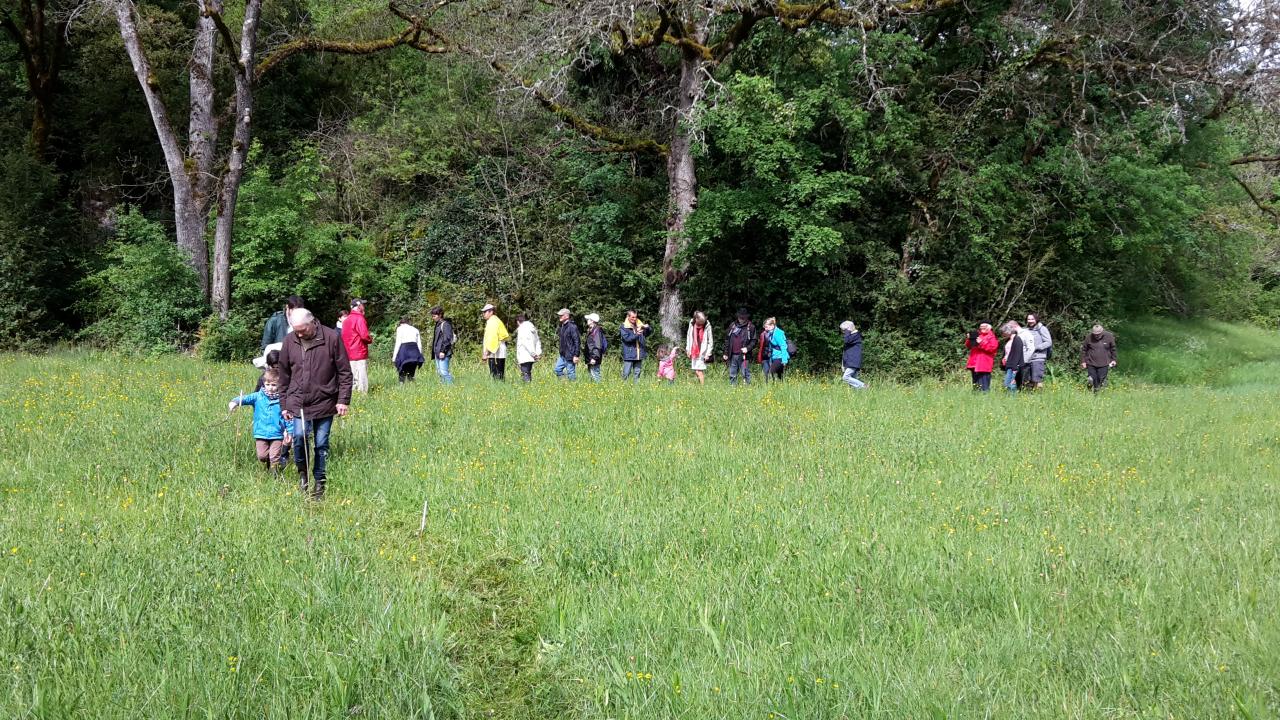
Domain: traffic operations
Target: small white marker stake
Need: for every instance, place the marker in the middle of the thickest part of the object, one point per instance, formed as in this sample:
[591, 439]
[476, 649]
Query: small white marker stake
[423, 524]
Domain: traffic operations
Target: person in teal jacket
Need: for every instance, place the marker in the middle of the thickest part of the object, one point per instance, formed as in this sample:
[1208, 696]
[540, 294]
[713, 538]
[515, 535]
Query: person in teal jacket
[779, 356]
[270, 433]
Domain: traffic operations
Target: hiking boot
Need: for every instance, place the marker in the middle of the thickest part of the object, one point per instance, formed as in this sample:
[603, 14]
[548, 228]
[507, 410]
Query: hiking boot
[318, 489]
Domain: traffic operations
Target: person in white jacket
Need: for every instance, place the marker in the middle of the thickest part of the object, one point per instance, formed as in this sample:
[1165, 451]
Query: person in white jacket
[407, 353]
[697, 345]
[528, 347]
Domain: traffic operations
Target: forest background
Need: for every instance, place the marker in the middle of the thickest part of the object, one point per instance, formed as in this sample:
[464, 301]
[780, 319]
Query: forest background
[173, 169]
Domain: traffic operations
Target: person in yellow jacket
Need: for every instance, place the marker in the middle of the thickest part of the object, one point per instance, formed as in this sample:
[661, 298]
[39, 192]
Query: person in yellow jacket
[494, 349]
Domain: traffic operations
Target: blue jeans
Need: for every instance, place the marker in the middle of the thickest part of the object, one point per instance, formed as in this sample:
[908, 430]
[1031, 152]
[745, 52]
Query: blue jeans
[851, 379]
[442, 369]
[563, 365]
[628, 366]
[319, 428]
[739, 365]
[595, 372]
[1011, 381]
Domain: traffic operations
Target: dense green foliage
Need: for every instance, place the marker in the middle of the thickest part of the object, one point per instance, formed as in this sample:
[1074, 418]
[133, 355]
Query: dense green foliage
[918, 178]
[145, 297]
[793, 549]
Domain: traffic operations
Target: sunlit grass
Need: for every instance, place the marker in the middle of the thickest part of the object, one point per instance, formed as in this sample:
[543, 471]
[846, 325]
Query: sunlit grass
[795, 550]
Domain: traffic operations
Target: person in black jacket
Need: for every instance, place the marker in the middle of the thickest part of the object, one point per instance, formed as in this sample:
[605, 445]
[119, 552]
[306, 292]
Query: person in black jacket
[740, 340]
[570, 346]
[851, 358]
[596, 344]
[1014, 357]
[442, 342]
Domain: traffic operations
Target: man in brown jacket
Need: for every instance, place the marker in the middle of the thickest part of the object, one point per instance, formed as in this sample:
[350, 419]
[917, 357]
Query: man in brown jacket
[315, 385]
[1098, 356]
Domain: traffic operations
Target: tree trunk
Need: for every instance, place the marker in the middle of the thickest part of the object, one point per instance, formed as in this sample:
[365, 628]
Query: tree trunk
[241, 137]
[189, 221]
[202, 127]
[682, 194]
[41, 49]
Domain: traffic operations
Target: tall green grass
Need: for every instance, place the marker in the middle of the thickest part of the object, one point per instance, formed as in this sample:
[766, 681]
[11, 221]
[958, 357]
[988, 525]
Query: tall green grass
[1199, 352]
[608, 551]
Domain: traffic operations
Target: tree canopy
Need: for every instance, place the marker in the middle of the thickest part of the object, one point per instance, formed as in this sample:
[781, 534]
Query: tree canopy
[917, 166]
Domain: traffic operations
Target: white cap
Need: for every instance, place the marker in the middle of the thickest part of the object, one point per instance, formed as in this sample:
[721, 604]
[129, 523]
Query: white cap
[563, 312]
[848, 325]
[487, 307]
[592, 317]
[261, 362]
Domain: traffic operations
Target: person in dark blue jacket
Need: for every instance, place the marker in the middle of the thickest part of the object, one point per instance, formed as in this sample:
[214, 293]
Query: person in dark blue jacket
[634, 347]
[851, 358]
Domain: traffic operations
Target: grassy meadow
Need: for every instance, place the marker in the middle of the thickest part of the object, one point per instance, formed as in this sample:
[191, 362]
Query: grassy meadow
[608, 551]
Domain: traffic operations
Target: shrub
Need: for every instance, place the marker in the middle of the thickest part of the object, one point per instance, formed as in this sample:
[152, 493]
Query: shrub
[147, 300]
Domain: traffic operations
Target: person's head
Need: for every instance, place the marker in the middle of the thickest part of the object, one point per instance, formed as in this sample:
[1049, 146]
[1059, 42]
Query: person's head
[273, 358]
[592, 319]
[521, 319]
[632, 317]
[437, 313]
[1097, 331]
[984, 327]
[1032, 319]
[1009, 328]
[770, 323]
[303, 323]
[404, 319]
[1015, 325]
[293, 302]
[271, 381]
[486, 312]
[564, 315]
[357, 305]
[699, 318]
[743, 316]
[343, 313]
[664, 350]
[848, 326]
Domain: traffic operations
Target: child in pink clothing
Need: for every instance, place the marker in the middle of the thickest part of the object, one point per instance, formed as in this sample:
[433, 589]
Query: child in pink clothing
[667, 365]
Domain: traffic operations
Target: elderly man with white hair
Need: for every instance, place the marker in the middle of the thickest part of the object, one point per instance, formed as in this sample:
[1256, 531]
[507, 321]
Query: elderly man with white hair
[851, 356]
[315, 385]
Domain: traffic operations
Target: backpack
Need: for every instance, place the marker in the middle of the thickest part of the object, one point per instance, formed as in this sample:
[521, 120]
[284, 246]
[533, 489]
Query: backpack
[791, 347]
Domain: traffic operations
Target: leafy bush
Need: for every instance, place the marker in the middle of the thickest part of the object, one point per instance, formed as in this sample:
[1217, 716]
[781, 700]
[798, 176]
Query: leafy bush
[234, 339]
[147, 299]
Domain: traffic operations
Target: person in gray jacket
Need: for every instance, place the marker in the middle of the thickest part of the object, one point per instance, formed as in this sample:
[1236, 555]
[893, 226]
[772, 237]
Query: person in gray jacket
[1043, 349]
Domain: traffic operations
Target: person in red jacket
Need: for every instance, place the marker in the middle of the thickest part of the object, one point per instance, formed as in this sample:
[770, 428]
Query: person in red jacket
[356, 339]
[982, 346]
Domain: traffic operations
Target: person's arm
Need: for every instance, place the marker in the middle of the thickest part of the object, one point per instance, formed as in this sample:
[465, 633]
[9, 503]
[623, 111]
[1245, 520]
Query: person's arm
[1112, 349]
[628, 335]
[1084, 352]
[1046, 337]
[267, 333]
[396, 349]
[285, 370]
[710, 343]
[362, 331]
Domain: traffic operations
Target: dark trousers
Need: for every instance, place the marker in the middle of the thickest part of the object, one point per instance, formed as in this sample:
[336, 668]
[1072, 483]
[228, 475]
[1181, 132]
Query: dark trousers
[498, 368]
[526, 371]
[1098, 376]
[776, 368]
[739, 365]
[981, 380]
[407, 371]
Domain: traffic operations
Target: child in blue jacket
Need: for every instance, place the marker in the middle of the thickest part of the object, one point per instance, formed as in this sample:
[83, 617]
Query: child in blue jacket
[270, 433]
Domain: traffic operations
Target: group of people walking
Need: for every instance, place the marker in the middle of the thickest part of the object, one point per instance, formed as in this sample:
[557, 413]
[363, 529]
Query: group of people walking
[1026, 351]
[310, 371]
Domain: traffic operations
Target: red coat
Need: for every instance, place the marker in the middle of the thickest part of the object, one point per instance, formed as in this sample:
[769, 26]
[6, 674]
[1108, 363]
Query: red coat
[355, 336]
[982, 357]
